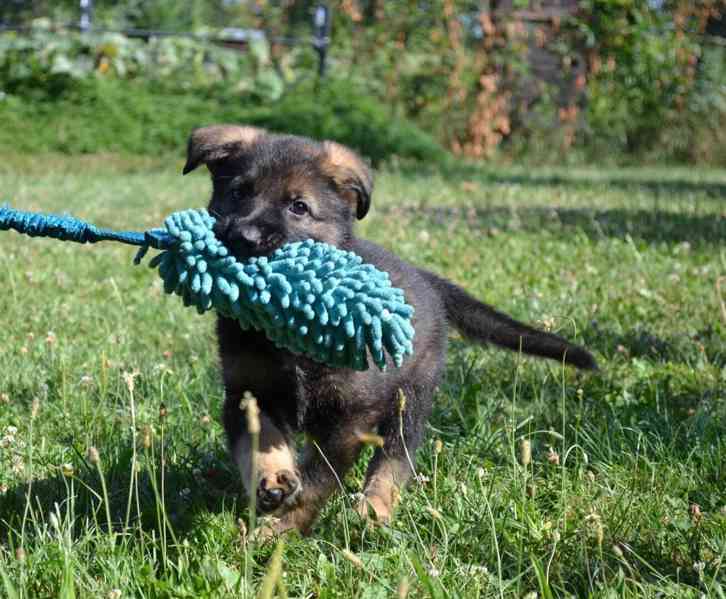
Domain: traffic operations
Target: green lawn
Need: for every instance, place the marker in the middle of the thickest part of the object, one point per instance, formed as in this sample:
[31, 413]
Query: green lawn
[625, 492]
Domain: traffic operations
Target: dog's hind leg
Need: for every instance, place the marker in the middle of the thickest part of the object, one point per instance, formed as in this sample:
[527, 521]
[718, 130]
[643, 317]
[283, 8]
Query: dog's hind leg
[325, 464]
[393, 464]
[385, 478]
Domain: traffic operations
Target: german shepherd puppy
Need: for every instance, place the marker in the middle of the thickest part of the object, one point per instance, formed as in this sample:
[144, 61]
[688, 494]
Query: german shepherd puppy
[271, 189]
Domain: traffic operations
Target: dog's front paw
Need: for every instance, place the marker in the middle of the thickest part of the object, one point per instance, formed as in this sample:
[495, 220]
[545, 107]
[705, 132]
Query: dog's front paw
[281, 488]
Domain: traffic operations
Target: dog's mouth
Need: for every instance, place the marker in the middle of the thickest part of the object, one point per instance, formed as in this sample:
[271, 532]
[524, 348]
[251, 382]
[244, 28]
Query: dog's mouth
[247, 240]
[243, 250]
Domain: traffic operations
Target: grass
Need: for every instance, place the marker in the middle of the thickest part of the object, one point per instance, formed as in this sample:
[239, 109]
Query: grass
[545, 481]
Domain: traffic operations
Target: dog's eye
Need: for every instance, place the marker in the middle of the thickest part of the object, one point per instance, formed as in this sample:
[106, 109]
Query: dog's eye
[299, 207]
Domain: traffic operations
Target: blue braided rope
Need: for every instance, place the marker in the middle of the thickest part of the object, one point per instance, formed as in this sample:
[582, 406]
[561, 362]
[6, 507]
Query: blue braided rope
[68, 228]
[308, 297]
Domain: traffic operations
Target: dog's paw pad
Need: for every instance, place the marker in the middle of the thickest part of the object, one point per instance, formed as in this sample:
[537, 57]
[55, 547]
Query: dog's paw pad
[278, 489]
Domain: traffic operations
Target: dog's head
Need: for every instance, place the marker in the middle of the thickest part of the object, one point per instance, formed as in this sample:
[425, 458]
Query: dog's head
[272, 189]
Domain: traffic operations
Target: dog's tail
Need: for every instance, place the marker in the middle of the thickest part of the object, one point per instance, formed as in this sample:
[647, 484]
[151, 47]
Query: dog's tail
[482, 323]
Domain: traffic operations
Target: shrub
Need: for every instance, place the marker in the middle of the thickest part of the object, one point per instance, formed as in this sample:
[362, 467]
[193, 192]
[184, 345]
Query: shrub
[45, 64]
[609, 81]
[100, 115]
[80, 93]
[339, 111]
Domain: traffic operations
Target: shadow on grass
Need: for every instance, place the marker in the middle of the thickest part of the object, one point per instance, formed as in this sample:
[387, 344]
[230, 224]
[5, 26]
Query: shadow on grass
[646, 384]
[688, 348]
[651, 226]
[628, 181]
[199, 486]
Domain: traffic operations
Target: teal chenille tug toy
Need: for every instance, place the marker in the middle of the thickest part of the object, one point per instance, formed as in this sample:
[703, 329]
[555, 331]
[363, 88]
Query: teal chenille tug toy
[308, 297]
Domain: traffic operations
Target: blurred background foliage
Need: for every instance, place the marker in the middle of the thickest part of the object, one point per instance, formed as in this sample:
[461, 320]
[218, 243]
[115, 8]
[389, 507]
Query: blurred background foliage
[544, 81]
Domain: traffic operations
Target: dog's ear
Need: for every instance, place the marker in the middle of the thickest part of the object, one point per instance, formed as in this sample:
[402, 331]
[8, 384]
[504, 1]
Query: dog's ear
[351, 174]
[214, 144]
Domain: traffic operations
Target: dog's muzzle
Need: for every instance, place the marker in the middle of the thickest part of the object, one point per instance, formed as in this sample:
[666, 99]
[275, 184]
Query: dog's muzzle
[247, 239]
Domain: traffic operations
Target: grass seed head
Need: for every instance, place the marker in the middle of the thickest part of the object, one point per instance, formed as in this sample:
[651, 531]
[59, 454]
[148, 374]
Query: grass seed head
[696, 513]
[93, 456]
[438, 446]
[353, 558]
[67, 470]
[163, 411]
[553, 457]
[53, 519]
[596, 527]
[274, 573]
[129, 378]
[146, 437]
[435, 514]
[525, 452]
[370, 439]
[252, 411]
[403, 588]
[401, 401]
[242, 527]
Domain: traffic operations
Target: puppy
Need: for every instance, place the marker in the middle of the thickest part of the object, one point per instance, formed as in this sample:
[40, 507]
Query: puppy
[271, 189]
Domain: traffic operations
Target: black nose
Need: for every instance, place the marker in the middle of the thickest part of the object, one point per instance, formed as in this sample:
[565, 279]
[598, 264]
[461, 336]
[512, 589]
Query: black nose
[249, 236]
[246, 239]
[240, 235]
[247, 233]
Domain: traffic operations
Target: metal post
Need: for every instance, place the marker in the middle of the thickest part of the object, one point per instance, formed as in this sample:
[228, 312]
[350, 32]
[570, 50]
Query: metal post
[321, 35]
[86, 12]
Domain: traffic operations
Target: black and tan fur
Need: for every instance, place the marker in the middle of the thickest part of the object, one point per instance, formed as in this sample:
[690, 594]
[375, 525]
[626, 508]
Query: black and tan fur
[270, 189]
